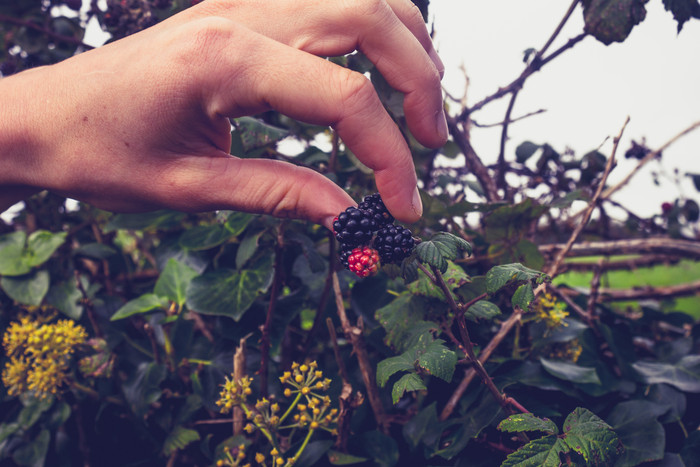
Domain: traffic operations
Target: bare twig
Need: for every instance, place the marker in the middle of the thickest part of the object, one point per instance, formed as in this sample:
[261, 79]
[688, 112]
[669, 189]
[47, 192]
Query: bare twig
[472, 160]
[239, 371]
[265, 337]
[607, 193]
[649, 292]
[511, 120]
[656, 245]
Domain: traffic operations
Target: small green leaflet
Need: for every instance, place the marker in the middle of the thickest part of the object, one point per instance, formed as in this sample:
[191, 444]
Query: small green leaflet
[527, 422]
[441, 247]
[408, 382]
[500, 276]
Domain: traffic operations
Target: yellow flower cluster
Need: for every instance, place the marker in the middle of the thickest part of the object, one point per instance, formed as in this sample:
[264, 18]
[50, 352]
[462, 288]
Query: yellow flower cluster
[40, 355]
[233, 458]
[548, 309]
[234, 393]
[304, 379]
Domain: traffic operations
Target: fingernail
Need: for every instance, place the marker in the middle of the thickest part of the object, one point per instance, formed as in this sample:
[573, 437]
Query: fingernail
[416, 203]
[442, 125]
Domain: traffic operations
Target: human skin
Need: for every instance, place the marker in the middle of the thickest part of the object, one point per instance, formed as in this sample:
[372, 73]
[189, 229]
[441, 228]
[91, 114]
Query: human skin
[142, 123]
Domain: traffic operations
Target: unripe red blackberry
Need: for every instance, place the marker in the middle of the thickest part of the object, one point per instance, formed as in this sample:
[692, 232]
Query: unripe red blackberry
[364, 261]
[394, 243]
[375, 206]
[354, 227]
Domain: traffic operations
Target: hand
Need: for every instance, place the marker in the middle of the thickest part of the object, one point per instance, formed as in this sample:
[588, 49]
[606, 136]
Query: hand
[142, 123]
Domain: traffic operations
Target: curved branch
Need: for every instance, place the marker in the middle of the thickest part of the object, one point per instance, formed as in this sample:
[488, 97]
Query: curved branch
[667, 246]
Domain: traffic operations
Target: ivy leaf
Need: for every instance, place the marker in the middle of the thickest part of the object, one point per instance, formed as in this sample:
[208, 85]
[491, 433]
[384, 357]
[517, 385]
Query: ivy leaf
[19, 253]
[538, 452]
[227, 293]
[143, 388]
[684, 375]
[570, 372]
[501, 276]
[204, 237]
[173, 281]
[415, 428]
[591, 437]
[527, 422]
[525, 150]
[408, 382]
[644, 438]
[612, 20]
[441, 247]
[29, 289]
[143, 304]
[682, 10]
[389, 366]
[178, 439]
[144, 220]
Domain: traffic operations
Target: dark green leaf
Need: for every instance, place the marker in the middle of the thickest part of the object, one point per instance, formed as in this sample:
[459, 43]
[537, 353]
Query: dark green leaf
[696, 180]
[381, 448]
[387, 367]
[204, 237]
[236, 222]
[225, 292]
[29, 289]
[65, 297]
[174, 280]
[143, 304]
[178, 439]
[538, 452]
[527, 422]
[340, 458]
[256, 134]
[591, 437]
[415, 428]
[500, 276]
[441, 247]
[34, 453]
[643, 437]
[144, 220]
[684, 375]
[612, 20]
[143, 388]
[454, 276]
[7, 430]
[247, 248]
[41, 245]
[95, 251]
[482, 309]
[403, 321]
[32, 411]
[523, 296]
[11, 254]
[437, 360]
[690, 452]
[570, 372]
[682, 10]
[408, 382]
[525, 150]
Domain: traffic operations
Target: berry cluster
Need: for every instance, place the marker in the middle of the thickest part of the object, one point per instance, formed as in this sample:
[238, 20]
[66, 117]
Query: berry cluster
[367, 236]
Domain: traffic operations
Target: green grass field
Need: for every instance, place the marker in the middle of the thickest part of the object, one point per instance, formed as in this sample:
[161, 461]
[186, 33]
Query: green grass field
[661, 275]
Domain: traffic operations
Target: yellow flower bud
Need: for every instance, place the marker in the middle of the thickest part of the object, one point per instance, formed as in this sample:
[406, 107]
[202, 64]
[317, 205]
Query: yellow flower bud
[279, 461]
[298, 378]
[274, 452]
[305, 390]
[259, 458]
[287, 392]
[303, 368]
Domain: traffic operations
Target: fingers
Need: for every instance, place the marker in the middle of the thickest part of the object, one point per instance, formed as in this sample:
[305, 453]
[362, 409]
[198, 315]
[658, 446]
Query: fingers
[314, 90]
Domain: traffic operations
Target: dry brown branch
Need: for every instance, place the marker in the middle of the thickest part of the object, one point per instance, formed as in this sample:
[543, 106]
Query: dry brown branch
[239, 371]
[629, 264]
[472, 160]
[646, 159]
[649, 292]
[656, 246]
[354, 334]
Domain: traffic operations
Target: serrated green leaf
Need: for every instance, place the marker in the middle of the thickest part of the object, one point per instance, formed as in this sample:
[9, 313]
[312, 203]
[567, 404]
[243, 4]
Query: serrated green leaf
[226, 292]
[538, 452]
[437, 360]
[28, 289]
[454, 276]
[591, 437]
[428, 253]
[441, 247]
[527, 422]
[408, 382]
[570, 372]
[523, 296]
[505, 274]
[403, 321]
[174, 280]
[483, 309]
[389, 366]
[684, 374]
[178, 439]
[143, 304]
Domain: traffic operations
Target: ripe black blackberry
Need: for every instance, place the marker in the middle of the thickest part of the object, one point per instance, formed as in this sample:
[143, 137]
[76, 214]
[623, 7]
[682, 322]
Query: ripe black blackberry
[354, 227]
[375, 206]
[394, 243]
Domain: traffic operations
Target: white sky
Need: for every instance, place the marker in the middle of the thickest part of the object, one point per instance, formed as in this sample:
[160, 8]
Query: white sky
[654, 77]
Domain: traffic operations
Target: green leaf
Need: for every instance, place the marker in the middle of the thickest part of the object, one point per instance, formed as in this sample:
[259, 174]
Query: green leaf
[682, 10]
[525, 150]
[415, 428]
[538, 452]
[570, 371]
[454, 276]
[643, 437]
[29, 289]
[441, 247]
[612, 20]
[403, 321]
[66, 297]
[143, 304]
[11, 254]
[500, 276]
[408, 382]
[438, 360]
[236, 222]
[690, 452]
[41, 245]
[35, 452]
[523, 296]
[174, 280]
[527, 422]
[143, 388]
[482, 309]
[696, 180]
[340, 458]
[204, 237]
[381, 448]
[145, 220]
[387, 367]
[684, 375]
[255, 134]
[227, 293]
[95, 251]
[178, 439]
[591, 437]
[247, 248]
[313, 452]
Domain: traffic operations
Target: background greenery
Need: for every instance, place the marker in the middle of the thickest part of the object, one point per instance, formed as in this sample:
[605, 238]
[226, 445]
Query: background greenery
[493, 344]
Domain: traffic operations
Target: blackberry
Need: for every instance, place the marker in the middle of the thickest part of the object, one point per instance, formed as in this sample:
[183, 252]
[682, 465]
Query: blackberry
[363, 261]
[394, 243]
[375, 206]
[354, 227]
